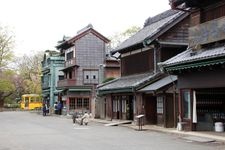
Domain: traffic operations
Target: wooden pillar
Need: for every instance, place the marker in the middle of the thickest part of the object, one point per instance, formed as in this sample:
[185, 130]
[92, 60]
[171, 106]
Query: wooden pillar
[139, 104]
[67, 105]
[175, 101]
[165, 109]
[109, 107]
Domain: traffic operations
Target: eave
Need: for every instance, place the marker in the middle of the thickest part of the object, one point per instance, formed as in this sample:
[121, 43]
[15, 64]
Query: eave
[94, 32]
[195, 64]
[138, 45]
[113, 91]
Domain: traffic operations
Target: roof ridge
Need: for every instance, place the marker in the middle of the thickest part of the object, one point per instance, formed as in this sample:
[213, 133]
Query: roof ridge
[135, 75]
[106, 83]
[148, 31]
[89, 26]
[158, 17]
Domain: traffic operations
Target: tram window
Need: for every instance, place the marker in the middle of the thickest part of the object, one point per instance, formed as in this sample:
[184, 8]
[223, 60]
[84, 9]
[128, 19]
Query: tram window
[26, 99]
[37, 99]
[32, 99]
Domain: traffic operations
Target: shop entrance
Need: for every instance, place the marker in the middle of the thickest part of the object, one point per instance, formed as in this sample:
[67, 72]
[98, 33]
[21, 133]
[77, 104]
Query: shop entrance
[150, 109]
[129, 108]
[210, 106]
[122, 107]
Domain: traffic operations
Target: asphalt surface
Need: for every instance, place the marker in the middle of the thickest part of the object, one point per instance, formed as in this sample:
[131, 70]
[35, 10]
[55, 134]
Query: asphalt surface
[30, 131]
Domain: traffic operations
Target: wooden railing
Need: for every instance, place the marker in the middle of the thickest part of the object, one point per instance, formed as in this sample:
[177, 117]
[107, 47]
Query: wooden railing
[66, 82]
[70, 62]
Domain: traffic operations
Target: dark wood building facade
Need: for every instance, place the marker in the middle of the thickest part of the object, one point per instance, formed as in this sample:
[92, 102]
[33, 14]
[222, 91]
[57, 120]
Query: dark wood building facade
[200, 68]
[143, 88]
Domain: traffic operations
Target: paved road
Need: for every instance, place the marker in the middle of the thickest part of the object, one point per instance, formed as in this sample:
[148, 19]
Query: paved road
[30, 131]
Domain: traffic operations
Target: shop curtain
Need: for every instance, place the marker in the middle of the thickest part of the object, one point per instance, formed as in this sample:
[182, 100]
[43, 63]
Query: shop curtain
[194, 108]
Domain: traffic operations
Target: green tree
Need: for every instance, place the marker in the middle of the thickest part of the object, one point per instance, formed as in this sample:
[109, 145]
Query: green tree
[117, 38]
[7, 87]
[6, 56]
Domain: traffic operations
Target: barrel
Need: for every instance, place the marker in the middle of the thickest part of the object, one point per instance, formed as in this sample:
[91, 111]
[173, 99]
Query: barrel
[219, 127]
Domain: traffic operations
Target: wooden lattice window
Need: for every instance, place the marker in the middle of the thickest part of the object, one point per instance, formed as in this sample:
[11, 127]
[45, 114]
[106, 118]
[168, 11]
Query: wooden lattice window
[86, 103]
[79, 102]
[72, 103]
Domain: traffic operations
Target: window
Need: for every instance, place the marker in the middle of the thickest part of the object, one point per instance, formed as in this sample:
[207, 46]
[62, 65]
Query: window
[86, 103]
[72, 103]
[32, 99]
[69, 55]
[159, 105]
[114, 105]
[26, 99]
[138, 63]
[186, 103]
[61, 77]
[124, 105]
[90, 76]
[38, 99]
[79, 102]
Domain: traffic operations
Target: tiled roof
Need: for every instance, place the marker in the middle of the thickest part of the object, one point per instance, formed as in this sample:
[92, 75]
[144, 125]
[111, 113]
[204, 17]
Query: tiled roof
[81, 33]
[159, 84]
[189, 56]
[159, 17]
[126, 82]
[151, 29]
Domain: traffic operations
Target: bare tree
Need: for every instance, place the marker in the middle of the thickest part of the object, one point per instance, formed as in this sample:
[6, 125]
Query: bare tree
[29, 72]
[6, 45]
[117, 38]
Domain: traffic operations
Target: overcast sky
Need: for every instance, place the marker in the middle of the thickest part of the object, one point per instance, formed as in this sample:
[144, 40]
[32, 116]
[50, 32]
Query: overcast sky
[39, 24]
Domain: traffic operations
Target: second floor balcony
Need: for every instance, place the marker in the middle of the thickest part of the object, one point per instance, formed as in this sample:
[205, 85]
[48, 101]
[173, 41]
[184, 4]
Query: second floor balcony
[66, 82]
[70, 62]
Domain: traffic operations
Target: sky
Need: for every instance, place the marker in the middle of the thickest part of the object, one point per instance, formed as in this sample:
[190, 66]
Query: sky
[39, 24]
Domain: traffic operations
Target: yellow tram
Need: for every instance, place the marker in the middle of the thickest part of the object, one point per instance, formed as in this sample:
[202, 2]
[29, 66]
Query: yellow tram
[31, 101]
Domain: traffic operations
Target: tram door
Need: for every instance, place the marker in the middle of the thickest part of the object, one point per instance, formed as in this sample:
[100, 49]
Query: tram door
[26, 102]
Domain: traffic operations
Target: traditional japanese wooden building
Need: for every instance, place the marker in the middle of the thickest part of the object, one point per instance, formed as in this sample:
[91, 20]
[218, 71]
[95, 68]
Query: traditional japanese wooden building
[109, 71]
[201, 68]
[142, 87]
[84, 53]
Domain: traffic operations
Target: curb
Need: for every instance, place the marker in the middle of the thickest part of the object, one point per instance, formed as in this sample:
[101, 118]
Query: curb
[167, 131]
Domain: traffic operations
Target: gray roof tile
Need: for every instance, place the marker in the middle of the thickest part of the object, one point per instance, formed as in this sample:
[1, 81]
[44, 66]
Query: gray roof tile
[159, 84]
[151, 29]
[159, 17]
[187, 56]
[126, 82]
